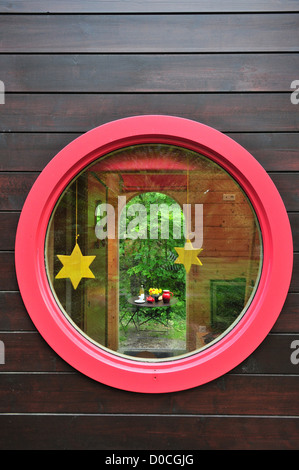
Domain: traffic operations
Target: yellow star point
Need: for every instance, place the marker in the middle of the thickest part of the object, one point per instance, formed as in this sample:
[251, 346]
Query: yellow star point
[75, 266]
[188, 256]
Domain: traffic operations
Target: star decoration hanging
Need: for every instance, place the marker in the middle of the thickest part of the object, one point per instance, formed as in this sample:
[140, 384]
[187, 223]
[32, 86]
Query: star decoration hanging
[188, 255]
[75, 266]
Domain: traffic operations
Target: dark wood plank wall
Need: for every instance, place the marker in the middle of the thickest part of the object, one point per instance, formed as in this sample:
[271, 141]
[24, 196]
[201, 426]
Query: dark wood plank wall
[70, 66]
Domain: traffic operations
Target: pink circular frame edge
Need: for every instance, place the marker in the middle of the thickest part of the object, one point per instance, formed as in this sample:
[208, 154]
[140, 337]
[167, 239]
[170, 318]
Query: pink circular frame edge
[180, 373]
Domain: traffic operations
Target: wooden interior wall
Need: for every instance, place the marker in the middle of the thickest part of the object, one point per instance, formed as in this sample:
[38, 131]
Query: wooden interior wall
[70, 66]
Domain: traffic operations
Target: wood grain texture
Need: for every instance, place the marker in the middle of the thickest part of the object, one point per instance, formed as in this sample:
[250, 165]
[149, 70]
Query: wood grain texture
[153, 6]
[8, 278]
[288, 187]
[295, 229]
[240, 112]
[150, 33]
[288, 320]
[28, 352]
[150, 432]
[139, 73]
[229, 395]
[8, 224]
[31, 151]
[294, 287]
[274, 151]
[15, 186]
[14, 316]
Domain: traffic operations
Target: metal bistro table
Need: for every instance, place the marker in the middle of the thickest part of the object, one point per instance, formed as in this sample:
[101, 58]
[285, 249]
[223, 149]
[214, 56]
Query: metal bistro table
[153, 311]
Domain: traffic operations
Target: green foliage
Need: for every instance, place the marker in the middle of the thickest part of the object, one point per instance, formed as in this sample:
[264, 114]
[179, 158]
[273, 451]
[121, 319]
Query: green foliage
[227, 301]
[149, 261]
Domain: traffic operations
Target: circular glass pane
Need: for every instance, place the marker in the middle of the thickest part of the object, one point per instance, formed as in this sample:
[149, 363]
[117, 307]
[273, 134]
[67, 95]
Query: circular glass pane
[153, 252]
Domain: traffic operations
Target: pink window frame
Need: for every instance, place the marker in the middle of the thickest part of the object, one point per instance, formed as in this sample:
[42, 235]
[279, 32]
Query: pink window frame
[123, 372]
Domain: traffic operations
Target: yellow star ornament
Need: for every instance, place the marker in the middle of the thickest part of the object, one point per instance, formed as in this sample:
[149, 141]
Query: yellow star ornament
[188, 256]
[75, 266]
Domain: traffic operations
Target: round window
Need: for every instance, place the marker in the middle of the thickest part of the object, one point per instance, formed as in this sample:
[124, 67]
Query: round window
[153, 251]
[159, 254]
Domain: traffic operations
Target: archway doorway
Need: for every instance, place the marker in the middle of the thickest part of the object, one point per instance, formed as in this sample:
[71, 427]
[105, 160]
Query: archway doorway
[151, 226]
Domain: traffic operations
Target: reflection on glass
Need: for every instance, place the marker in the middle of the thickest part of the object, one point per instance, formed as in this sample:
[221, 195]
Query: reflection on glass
[142, 221]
